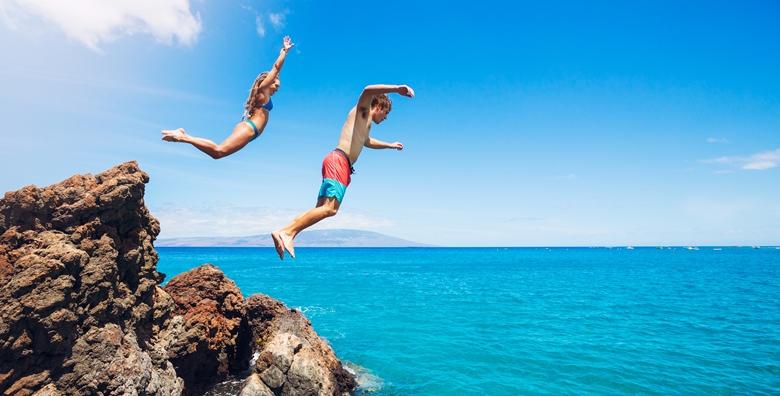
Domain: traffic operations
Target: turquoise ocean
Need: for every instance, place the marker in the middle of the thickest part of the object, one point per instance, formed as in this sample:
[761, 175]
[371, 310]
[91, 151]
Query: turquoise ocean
[513, 321]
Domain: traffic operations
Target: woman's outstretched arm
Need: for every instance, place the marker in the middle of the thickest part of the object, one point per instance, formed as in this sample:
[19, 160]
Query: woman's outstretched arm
[277, 67]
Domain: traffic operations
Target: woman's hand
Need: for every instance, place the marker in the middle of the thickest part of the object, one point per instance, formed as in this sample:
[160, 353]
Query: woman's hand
[287, 44]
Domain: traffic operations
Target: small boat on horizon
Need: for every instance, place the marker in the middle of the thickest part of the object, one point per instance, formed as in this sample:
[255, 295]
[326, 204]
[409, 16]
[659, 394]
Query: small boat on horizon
[692, 248]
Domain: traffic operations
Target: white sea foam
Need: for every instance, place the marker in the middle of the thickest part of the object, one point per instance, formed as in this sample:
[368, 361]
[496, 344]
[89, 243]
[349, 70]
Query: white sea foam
[367, 382]
[254, 359]
[314, 310]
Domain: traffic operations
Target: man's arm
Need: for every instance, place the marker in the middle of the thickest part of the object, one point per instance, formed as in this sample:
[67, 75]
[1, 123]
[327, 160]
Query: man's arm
[378, 144]
[277, 67]
[377, 89]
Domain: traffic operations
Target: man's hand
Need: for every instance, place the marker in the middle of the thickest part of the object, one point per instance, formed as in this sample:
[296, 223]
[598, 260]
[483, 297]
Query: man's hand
[397, 145]
[406, 90]
[287, 44]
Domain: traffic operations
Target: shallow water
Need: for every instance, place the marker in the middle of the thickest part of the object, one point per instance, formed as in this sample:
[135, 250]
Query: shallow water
[451, 321]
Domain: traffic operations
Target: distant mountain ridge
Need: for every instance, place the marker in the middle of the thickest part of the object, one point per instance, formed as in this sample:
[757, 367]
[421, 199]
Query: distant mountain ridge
[310, 238]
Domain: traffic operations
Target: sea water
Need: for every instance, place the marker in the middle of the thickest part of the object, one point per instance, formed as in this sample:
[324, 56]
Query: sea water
[511, 321]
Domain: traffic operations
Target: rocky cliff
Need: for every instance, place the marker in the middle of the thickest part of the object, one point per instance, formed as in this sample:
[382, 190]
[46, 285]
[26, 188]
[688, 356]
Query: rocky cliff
[82, 312]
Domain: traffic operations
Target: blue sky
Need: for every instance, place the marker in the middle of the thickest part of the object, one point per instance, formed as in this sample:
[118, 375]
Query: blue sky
[536, 123]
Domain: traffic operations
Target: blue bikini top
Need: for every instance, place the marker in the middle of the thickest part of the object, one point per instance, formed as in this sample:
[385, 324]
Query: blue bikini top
[268, 106]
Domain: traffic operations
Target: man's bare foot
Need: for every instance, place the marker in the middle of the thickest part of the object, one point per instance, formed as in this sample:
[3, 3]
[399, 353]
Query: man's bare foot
[279, 244]
[287, 242]
[173, 135]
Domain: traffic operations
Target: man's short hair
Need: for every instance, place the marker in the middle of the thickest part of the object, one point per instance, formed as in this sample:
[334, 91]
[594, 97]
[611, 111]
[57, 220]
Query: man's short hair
[382, 101]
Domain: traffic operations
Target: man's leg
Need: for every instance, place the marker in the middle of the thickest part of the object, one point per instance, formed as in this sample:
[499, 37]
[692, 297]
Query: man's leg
[326, 207]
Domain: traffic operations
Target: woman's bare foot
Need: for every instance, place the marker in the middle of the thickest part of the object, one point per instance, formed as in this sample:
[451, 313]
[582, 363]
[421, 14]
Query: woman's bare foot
[173, 135]
[279, 244]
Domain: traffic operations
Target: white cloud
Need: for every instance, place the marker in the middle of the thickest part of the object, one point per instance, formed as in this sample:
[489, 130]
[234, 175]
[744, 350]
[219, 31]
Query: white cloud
[5, 15]
[759, 161]
[717, 140]
[178, 222]
[93, 22]
[260, 26]
[277, 19]
[765, 160]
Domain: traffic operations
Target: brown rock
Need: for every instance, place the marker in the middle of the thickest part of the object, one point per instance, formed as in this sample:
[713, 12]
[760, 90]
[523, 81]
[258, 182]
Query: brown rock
[210, 343]
[78, 273]
[48, 390]
[27, 384]
[293, 359]
[254, 386]
[112, 362]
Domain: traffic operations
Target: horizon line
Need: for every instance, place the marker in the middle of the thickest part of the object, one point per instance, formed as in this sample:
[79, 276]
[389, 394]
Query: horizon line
[756, 247]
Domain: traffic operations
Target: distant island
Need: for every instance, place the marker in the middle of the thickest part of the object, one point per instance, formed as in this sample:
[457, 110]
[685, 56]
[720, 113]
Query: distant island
[310, 238]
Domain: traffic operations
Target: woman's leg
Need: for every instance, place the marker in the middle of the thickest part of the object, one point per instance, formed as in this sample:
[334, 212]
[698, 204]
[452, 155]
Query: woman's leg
[241, 135]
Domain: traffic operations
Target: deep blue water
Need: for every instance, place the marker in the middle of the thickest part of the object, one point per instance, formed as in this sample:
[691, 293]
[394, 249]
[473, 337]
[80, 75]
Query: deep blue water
[530, 321]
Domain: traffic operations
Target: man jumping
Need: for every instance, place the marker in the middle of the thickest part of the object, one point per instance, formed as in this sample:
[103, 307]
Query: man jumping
[373, 105]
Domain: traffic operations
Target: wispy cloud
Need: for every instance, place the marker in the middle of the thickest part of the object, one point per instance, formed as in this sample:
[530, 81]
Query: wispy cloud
[759, 161]
[128, 87]
[524, 219]
[6, 17]
[260, 26]
[277, 19]
[717, 140]
[212, 220]
[93, 22]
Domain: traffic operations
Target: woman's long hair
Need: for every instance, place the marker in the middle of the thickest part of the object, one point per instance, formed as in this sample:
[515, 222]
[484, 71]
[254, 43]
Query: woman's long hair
[252, 101]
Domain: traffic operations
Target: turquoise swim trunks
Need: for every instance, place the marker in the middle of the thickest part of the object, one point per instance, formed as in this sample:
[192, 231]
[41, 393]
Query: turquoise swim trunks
[332, 189]
[336, 171]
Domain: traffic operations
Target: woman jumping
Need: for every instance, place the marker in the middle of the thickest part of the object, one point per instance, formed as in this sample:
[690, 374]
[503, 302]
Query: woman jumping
[256, 110]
